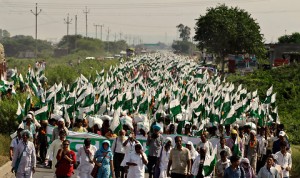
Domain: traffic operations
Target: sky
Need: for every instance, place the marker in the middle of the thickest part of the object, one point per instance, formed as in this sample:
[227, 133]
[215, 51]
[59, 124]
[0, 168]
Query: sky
[137, 20]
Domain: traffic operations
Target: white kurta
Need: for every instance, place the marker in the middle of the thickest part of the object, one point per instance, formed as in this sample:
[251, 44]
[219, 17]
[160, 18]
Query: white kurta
[52, 152]
[137, 171]
[85, 167]
[129, 148]
[164, 160]
[28, 159]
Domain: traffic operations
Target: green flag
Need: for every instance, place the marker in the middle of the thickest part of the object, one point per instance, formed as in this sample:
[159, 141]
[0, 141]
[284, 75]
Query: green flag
[209, 164]
[116, 125]
[20, 112]
[175, 107]
[42, 114]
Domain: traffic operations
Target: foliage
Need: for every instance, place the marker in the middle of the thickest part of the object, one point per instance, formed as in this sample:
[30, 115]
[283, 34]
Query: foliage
[225, 30]
[4, 34]
[294, 38]
[4, 153]
[8, 108]
[20, 43]
[286, 84]
[184, 47]
[296, 162]
[184, 31]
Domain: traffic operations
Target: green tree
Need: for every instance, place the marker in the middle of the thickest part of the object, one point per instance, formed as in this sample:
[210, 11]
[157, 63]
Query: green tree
[4, 34]
[20, 43]
[184, 31]
[184, 47]
[225, 30]
[294, 38]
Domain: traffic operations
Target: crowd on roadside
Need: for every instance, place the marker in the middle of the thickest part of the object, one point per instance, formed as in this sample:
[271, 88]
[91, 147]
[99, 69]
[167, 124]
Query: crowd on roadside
[241, 151]
[194, 123]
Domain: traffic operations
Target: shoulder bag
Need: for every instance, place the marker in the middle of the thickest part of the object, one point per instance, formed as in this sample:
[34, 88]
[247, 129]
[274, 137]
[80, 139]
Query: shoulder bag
[96, 168]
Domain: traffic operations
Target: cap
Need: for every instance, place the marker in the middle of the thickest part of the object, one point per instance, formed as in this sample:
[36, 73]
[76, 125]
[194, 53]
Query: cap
[282, 133]
[233, 131]
[61, 120]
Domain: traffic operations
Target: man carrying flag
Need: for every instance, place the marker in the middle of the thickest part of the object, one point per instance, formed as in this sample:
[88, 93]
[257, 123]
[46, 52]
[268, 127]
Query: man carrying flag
[235, 143]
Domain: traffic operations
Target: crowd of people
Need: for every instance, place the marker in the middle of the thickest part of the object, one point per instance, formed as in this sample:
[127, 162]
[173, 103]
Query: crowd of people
[241, 151]
[194, 124]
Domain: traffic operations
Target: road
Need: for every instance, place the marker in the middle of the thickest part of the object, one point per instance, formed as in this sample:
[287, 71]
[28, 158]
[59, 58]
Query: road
[41, 173]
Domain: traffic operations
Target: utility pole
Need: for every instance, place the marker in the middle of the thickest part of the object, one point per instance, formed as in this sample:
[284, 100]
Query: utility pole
[120, 35]
[75, 24]
[108, 31]
[115, 36]
[68, 22]
[97, 29]
[36, 13]
[86, 11]
[101, 26]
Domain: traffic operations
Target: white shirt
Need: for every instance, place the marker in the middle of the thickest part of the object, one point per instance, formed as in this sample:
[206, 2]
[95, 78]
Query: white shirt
[119, 148]
[265, 173]
[226, 148]
[137, 171]
[14, 143]
[196, 164]
[53, 150]
[207, 145]
[130, 147]
[263, 144]
[221, 166]
[164, 158]
[85, 165]
[284, 161]
[28, 157]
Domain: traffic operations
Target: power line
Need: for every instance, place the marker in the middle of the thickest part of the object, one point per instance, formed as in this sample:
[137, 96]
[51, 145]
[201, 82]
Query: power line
[36, 13]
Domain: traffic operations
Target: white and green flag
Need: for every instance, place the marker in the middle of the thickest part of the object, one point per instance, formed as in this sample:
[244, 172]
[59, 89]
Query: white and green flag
[175, 107]
[209, 164]
[116, 125]
[42, 114]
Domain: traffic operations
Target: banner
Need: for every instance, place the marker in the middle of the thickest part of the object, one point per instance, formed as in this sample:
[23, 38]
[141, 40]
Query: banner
[76, 139]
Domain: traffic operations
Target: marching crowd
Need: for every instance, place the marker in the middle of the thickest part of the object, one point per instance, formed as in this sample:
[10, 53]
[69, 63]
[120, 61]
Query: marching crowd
[240, 152]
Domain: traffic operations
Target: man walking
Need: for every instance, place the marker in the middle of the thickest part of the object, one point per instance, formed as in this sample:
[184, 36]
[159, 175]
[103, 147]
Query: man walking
[24, 158]
[154, 142]
[119, 153]
[180, 160]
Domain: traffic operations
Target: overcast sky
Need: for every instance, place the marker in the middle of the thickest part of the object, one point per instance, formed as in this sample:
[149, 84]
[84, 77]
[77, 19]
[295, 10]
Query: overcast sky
[150, 21]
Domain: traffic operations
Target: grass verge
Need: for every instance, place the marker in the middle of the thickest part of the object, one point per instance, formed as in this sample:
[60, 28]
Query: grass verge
[4, 149]
[296, 161]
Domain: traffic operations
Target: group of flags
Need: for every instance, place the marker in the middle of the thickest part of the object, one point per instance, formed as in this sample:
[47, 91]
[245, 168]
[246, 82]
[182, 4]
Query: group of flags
[148, 87]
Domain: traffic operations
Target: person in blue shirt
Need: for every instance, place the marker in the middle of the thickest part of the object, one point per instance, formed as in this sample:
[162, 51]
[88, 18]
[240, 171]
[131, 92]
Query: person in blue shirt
[234, 170]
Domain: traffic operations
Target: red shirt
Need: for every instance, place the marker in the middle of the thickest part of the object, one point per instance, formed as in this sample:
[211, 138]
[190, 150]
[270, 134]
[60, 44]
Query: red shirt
[65, 167]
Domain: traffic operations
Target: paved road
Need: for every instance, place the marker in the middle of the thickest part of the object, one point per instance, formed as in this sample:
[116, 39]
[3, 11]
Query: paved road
[40, 173]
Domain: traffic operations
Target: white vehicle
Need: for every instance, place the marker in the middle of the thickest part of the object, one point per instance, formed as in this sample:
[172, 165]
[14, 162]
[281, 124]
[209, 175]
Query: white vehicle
[90, 58]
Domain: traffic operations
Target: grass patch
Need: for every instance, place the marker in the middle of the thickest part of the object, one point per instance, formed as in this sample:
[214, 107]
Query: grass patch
[4, 149]
[296, 161]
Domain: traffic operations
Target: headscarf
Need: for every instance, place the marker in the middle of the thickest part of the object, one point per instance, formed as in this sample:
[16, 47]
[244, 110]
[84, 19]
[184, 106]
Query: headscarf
[26, 132]
[194, 153]
[102, 150]
[248, 169]
[156, 127]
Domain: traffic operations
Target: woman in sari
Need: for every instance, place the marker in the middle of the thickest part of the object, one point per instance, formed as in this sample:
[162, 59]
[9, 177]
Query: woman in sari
[104, 160]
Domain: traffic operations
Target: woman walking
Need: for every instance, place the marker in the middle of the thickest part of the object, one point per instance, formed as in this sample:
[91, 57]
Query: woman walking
[66, 158]
[104, 160]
